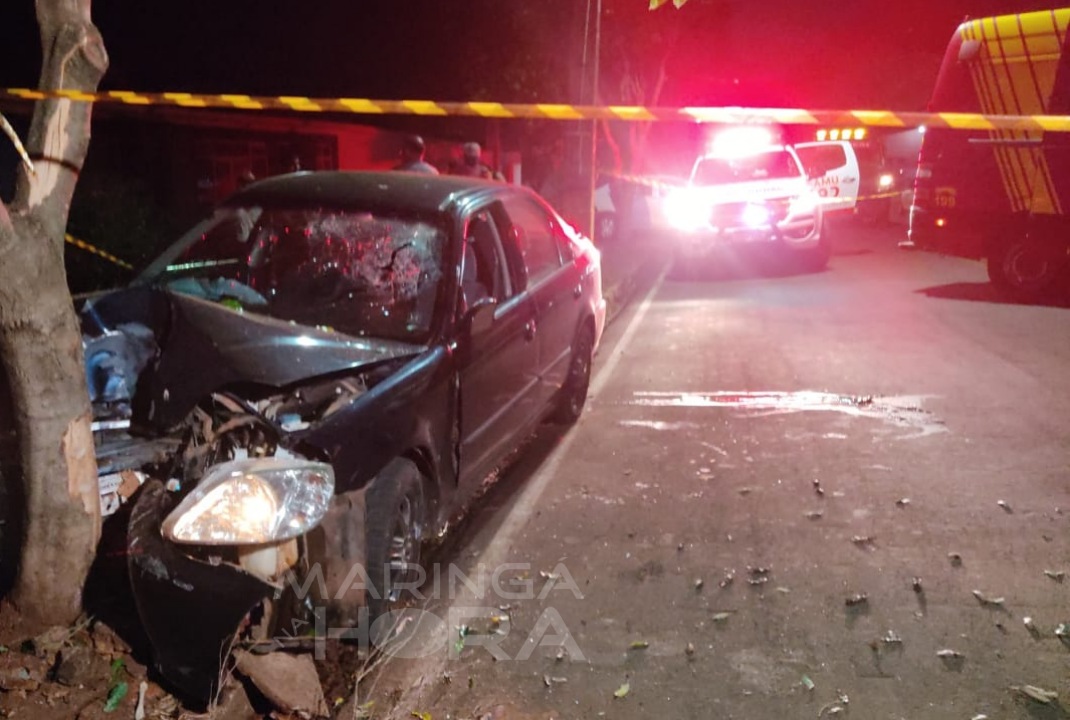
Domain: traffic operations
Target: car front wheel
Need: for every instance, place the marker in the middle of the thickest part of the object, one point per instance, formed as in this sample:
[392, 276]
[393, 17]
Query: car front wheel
[394, 520]
[574, 392]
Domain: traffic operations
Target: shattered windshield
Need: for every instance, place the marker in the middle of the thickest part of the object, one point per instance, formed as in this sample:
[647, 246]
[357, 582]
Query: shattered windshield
[357, 272]
[762, 166]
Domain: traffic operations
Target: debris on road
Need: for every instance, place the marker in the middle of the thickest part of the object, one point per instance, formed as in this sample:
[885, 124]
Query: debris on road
[760, 580]
[985, 600]
[857, 599]
[729, 576]
[818, 489]
[549, 681]
[949, 654]
[1056, 575]
[639, 645]
[815, 515]
[622, 691]
[690, 650]
[1003, 504]
[1030, 626]
[916, 585]
[955, 558]
[289, 682]
[807, 682]
[902, 502]
[1040, 695]
[892, 638]
[721, 616]
[699, 582]
[1062, 631]
[863, 540]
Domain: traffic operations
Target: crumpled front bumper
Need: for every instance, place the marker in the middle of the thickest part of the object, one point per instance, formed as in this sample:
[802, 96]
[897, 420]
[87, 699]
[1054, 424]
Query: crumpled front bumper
[190, 609]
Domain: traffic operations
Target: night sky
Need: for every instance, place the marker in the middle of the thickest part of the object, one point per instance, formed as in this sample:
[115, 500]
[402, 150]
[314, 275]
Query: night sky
[788, 53]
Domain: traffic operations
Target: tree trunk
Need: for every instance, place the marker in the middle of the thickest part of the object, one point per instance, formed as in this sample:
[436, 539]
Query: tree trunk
[40, 340]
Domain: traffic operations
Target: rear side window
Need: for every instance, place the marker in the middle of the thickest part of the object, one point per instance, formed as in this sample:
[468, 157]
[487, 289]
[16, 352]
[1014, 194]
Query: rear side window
[535, 235]
[819, 159]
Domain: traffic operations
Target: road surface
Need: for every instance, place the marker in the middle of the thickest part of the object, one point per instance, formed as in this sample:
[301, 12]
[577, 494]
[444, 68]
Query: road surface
[788, 495]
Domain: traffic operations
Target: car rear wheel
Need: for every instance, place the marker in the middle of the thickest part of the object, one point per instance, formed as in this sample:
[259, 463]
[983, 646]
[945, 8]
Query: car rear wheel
[1027, 270]
[574, 392]
[394, 522]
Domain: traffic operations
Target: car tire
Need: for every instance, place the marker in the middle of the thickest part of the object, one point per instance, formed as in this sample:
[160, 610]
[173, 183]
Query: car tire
[573, 394]
[1026, 270]
[394, 524]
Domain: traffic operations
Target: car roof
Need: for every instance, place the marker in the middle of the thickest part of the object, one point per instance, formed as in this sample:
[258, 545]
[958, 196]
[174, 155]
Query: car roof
[365, 189]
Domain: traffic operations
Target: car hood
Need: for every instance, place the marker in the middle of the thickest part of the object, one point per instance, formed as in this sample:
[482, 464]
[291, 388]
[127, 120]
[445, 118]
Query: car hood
[176, 349]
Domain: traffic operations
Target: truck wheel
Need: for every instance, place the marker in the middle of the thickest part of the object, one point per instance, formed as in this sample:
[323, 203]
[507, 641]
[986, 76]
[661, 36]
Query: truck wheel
[394, 523]
[574, 392]
[1027, 270]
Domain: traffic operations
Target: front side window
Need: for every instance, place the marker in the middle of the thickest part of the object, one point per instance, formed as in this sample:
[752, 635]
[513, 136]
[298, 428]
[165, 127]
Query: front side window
[362, 273]
[536, 237]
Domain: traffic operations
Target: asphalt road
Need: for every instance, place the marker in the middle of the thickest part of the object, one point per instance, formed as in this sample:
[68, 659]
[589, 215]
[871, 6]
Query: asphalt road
[815, 438]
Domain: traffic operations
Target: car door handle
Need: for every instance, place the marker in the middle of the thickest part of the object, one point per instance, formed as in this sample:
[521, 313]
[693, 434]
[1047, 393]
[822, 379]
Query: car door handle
[529, 330]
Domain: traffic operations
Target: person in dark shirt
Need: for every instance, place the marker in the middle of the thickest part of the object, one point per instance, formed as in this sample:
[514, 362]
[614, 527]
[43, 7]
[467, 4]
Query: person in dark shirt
[412, 157]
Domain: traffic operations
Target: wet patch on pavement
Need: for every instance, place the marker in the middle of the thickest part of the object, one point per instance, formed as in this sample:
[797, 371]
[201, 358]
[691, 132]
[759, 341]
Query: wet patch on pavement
[901, 411]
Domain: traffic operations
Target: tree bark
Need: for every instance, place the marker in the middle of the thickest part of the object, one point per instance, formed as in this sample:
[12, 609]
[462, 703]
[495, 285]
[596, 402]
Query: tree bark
[40, 339]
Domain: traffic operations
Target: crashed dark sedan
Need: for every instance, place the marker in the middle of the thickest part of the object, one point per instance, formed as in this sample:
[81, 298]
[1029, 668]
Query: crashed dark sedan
[319, 377]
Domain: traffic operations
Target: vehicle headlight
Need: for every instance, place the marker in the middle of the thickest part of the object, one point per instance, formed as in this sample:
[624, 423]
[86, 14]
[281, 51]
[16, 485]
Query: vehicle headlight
[251, 502]
[686, 210]
[885, 181]
[755, 215]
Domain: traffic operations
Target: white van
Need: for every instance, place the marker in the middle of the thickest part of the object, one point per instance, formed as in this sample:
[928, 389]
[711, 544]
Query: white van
[776, 196]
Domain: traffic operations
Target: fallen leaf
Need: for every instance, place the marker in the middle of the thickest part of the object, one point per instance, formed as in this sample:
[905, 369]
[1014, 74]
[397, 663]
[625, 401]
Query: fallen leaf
[985, 600]
[622, 691]
[1045, 697]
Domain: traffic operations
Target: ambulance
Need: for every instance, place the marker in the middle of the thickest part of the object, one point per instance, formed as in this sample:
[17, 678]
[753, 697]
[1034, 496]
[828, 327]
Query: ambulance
[1000, 196]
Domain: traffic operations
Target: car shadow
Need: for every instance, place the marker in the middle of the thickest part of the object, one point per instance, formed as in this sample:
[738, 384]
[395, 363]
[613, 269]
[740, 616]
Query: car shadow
[985, 292]
[741, 265]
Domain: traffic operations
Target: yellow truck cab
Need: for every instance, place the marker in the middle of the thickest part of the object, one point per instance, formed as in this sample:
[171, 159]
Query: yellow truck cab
[1000, 196]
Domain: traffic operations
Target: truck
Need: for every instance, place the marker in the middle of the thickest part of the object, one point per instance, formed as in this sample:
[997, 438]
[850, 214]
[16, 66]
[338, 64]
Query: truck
[1000, 196]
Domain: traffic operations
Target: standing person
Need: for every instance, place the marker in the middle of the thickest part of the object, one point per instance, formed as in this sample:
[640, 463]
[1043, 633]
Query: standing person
[472, 164]
[412, 157]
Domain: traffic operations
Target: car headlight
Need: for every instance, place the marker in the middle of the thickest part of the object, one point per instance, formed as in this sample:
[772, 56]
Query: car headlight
[251, 502]
[755, 215]
[687, 210]
[885, 181]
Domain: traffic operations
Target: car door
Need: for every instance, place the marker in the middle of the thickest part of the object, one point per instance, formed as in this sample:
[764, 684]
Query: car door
[553, 282]
[832, 171]
[499, 364]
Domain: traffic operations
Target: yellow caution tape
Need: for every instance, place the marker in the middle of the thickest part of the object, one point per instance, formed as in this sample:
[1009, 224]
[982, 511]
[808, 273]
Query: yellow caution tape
[83, 245]
[629, 113]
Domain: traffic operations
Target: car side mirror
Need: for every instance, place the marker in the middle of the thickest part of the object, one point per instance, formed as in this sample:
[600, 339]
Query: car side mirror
[480, 317]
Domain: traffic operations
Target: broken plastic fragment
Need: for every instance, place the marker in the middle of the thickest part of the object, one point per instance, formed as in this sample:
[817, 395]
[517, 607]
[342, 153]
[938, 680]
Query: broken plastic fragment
[857, 599]
[721, 616]
[892, 638]
[814, 515]
[807, 682]
[902, 502]
[949, 654]
[1062, 631]
[1056, 575]
[1028, 622]
[1003, 504]
[1045, 697]
[622, 691]
[699, 582]
[862, 540]
[985, 600]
